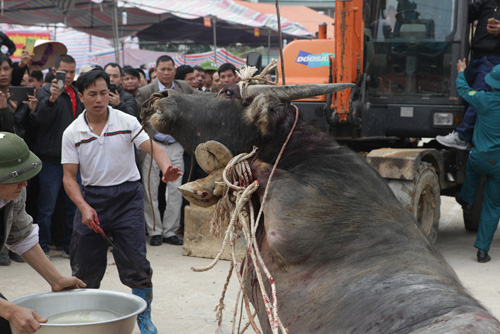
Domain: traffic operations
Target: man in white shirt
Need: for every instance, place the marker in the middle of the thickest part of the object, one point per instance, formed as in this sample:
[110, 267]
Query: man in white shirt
[100, 142]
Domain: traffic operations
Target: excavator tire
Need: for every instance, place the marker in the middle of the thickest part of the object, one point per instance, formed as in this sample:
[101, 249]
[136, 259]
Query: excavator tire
[427, 200]
[421, 197]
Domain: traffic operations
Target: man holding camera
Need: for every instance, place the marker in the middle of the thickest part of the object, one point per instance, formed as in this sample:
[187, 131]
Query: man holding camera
[118, 98]
[58, 106]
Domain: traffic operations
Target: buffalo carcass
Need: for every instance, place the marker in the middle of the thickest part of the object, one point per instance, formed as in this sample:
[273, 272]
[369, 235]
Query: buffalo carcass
[345, 255]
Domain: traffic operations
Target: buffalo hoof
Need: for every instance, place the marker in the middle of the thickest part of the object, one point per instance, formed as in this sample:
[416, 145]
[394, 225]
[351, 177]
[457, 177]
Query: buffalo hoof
[482, 256]
[204, 192]
[212, 155]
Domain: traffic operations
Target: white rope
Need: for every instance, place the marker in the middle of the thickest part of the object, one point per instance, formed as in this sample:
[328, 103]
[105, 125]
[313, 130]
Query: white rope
[235, 178]
[240, 186]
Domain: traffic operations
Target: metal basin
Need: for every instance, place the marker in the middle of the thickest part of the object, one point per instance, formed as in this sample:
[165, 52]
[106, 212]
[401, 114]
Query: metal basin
[121, 311]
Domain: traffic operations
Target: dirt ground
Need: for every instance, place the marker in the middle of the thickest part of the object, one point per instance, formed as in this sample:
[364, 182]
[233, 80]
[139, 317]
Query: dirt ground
[184, 300]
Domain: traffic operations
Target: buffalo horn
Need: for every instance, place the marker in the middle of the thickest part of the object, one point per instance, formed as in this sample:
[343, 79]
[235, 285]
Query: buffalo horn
[295, 92]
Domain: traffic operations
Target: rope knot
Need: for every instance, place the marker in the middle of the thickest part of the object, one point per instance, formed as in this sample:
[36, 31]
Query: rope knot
[247, 77]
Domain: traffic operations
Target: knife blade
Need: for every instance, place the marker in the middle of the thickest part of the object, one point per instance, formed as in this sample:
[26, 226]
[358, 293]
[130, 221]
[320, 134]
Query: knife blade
[98, 229]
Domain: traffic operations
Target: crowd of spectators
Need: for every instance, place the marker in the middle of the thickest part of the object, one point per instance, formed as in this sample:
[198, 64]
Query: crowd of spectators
[92, 180]
[43, 117]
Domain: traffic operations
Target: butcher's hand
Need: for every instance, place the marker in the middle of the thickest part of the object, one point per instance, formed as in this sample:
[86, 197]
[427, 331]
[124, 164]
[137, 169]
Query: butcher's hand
[25, 320]
[89, 217]
[67, 283]
[171, 174]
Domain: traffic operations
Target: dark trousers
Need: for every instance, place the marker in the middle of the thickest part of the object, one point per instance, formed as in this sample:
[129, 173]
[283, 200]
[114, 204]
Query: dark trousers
[121, 214]
[480, 164]
[474, 74]
[50, 179]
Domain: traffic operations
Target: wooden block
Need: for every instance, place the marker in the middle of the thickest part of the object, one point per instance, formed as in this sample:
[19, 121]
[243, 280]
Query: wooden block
[197, 239]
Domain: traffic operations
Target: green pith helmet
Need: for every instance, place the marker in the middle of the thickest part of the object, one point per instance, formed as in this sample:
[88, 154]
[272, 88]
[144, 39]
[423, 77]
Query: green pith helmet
[209, 66]
[493, 78]
[17, 162]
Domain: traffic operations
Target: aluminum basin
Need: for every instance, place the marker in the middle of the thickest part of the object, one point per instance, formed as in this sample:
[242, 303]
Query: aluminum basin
[48, 304]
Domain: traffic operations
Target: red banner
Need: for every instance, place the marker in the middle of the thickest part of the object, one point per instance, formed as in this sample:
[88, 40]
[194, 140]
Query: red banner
[207, 21]
[19, 38]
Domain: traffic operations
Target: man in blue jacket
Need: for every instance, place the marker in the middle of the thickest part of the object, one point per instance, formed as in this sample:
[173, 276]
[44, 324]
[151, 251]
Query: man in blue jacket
[484, 157]
[56, 110]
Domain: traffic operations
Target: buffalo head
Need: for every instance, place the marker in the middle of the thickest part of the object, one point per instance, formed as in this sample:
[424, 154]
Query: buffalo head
[196, 118]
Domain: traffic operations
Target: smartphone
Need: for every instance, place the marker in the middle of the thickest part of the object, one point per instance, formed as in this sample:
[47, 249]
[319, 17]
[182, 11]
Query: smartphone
[20, 93]
[30, 45]
[491, 21]
[61, 78]
[112, 88]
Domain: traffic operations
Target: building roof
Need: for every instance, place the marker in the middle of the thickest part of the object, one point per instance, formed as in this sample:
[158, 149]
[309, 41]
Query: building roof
[307, 17]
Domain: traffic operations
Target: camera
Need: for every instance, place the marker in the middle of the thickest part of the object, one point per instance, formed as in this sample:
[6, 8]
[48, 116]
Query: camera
[61, 78]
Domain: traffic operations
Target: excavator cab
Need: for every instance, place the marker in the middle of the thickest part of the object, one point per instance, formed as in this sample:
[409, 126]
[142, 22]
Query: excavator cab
[401, 55]
[407, 86]
[411, 47]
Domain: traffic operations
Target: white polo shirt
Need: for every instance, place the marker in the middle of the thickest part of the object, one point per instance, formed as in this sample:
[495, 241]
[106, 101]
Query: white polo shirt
[105, 160]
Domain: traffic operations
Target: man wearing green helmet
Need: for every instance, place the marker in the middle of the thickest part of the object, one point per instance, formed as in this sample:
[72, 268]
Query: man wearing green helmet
[484, 157]
[18, 233]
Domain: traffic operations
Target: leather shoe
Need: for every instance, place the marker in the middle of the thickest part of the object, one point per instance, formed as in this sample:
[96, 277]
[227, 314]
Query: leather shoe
[155, 240]
[173, 240]
[4, 260]
[482, 256]
[466, 207]
[15, 257]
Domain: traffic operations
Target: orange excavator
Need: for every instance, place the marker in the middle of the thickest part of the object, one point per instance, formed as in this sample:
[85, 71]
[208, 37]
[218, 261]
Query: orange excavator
[401, 54]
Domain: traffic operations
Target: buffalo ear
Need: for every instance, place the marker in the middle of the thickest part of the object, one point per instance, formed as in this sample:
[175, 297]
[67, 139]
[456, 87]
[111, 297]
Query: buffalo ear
[212, 155]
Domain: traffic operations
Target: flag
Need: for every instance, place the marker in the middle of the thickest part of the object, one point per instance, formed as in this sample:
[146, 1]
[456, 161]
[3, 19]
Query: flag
[207, 21]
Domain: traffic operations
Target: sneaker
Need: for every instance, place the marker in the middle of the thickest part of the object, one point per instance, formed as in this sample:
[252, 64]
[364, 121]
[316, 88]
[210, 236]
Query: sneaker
[64, 254]
[4, 260]
[453, 140]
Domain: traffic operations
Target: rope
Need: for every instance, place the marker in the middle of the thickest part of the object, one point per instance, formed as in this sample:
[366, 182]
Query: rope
[240, 185]
[148, 102]
[247, 76]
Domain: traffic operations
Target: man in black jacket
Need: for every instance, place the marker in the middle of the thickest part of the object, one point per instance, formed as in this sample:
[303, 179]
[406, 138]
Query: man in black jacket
[56, 109]
[119, 99]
